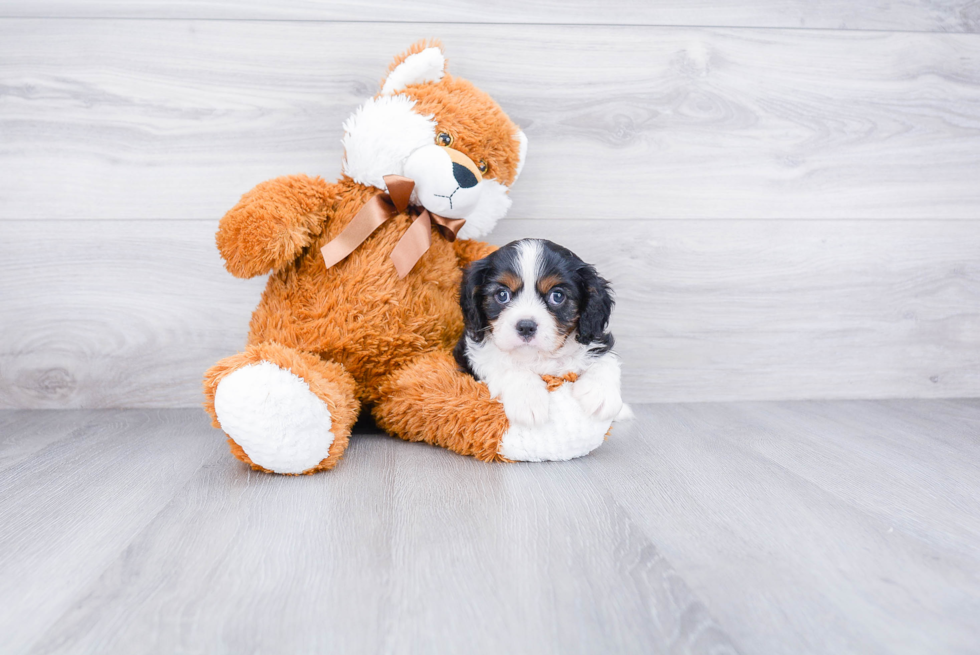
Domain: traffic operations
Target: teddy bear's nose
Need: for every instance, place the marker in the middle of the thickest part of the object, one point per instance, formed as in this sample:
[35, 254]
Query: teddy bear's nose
[464, 177]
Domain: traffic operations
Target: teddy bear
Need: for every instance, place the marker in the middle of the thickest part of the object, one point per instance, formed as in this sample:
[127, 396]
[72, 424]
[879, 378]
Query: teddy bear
[361, 308]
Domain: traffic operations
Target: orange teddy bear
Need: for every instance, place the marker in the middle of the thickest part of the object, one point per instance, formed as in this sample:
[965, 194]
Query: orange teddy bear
[361, 308]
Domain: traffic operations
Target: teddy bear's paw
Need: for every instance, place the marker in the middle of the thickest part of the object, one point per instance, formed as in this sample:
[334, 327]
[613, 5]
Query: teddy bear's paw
[272, 414]
[569, 433]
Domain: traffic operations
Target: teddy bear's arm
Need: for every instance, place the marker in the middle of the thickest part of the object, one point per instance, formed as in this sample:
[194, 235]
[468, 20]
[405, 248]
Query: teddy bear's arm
[468, 251]
[273, 223]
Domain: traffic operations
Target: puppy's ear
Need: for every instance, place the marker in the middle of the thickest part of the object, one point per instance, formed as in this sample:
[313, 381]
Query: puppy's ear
[471, 298]
[596, 307]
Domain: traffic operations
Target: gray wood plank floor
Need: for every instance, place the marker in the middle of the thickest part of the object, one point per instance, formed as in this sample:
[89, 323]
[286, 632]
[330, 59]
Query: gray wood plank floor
[161, 119]
[783, 191]
[906, 15]
[131, 313]
[790, 527]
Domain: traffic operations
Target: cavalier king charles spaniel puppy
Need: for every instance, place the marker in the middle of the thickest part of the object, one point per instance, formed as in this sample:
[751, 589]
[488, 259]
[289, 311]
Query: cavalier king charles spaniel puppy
[534, 308]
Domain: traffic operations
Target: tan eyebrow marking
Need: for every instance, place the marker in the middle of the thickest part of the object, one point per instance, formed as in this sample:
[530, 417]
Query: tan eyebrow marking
[511, 281]
[545, 283]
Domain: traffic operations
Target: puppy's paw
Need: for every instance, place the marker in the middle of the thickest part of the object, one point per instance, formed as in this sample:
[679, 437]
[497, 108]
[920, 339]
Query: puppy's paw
[527, 402]
[603, 401]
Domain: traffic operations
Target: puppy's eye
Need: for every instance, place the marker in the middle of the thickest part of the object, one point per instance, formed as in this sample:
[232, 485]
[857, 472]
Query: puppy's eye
[502, 296]
[482, 165]
[444, 139]
[556, 297]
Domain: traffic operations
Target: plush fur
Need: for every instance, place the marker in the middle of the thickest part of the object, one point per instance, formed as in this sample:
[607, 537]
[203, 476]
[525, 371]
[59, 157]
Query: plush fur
[328, 381]
[357, 335]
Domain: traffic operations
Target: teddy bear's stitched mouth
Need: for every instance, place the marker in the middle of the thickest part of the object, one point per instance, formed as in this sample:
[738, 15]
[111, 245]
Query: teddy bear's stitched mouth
[449, 197]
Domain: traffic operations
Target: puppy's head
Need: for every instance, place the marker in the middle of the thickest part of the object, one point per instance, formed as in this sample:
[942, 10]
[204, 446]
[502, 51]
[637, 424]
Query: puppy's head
[449, 137]
[533, 294]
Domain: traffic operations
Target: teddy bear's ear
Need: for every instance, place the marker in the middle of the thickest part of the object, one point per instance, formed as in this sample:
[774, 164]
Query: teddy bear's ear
[422, 62]
[521, 152]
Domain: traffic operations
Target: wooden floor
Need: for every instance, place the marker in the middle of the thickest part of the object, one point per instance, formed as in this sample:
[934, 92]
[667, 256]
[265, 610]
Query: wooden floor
[789, 527]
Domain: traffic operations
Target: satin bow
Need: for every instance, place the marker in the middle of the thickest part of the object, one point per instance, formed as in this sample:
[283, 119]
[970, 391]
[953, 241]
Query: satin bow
[379, 209]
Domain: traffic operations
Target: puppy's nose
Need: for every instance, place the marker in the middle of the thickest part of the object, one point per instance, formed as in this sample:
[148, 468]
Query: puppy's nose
[526, 328]
[464, 176]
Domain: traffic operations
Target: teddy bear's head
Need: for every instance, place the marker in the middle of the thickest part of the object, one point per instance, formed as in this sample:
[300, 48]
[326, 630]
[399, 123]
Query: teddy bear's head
[453, 140]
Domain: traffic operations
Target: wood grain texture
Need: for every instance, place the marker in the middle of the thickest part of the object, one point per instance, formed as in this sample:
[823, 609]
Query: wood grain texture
[834, 527]
[120, 313]
[176, 119]
[905, 15]
[793, 527]
[403, 548]
[75, 505]
[25, 432]
[130, 313]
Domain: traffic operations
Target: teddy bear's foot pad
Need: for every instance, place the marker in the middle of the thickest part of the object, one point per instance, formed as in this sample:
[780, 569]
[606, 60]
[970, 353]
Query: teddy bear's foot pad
[272, 414]
[568, 433]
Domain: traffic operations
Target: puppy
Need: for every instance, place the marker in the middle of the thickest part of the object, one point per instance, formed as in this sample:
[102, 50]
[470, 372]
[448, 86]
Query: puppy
[534, 308]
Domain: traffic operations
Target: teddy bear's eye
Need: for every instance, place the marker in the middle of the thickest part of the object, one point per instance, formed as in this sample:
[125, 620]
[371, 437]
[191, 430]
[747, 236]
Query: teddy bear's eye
[482, 165]
[444, 139]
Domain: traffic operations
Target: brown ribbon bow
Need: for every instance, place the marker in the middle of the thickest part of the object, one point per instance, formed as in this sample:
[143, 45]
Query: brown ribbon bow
[379, 209]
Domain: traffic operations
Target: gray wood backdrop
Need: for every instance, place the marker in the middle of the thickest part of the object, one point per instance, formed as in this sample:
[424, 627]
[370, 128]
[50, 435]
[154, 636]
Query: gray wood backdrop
[785, 193]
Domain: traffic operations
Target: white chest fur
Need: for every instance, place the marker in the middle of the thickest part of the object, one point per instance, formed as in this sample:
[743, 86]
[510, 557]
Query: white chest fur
[491, 363]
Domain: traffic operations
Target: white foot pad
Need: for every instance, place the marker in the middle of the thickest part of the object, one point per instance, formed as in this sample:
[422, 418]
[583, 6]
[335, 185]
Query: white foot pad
[569, 433]
[272, 414]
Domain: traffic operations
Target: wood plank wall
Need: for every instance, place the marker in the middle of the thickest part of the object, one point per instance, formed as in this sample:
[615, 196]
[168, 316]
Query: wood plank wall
[786, 195]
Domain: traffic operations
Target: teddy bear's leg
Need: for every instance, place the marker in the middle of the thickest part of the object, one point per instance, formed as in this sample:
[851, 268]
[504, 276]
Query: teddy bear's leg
[430, 400]
[284, 411]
